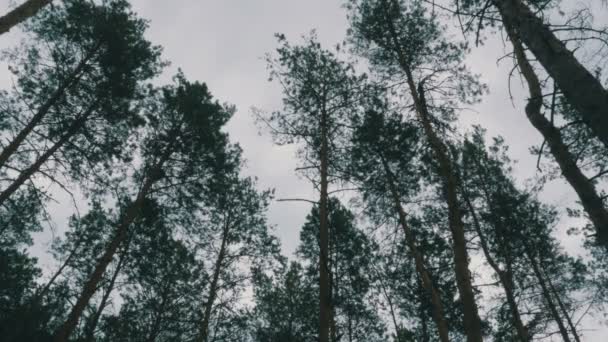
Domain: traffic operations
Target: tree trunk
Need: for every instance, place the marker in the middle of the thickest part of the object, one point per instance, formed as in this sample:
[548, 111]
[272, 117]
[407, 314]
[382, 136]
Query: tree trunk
[131, 214]
[391, 307]
[562, 307]
[546, 294]
[427, 281]
[40, 295]
[423, 322]
[522, 332]
[472, 322]
[90, 334]
[591, 201]
[204, 329]
[27, 173]
[580, 87]
[12, 147]
[324, 294]
[21, 13]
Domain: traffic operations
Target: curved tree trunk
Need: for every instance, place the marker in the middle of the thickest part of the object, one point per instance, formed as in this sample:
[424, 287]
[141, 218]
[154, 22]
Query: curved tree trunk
[591, 201]
[21, 13]
[580, 87]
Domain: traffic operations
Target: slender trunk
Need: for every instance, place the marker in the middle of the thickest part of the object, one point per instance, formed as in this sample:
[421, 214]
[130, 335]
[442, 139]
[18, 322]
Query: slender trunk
[427, 282]
[522, 332]
[333, 285]
[324, 294]
[21, 13]
[423, 322]
[204, 328]
[580, 87]
[472, 322]
[90, 335]
[391, 306]
[12, 147]
[40, 295]
[90, 286]
[564, 310]
[131, 214]
[591, 201]
[546, 294]
[32, 169]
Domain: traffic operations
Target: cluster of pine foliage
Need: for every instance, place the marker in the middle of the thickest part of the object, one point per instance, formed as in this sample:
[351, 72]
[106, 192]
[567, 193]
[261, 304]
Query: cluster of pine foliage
[437, 242]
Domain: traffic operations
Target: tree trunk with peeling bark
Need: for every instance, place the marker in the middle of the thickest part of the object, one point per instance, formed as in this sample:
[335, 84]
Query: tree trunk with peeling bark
[590, 199]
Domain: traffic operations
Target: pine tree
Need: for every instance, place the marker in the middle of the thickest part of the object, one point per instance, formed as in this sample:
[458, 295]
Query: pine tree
[183, 152]
[82, 71]
[319, 91]
[402, 38]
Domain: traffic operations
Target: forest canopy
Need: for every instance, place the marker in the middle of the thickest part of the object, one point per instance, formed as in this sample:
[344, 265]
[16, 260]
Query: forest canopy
[419, 224]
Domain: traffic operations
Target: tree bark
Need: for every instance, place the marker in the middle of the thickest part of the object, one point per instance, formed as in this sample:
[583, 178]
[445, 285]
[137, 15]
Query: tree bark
[12, 147]
[27, 173]
[40, 295]
[324, 290]
[564, 311]
[506, 283]
[204, 329]
[579, 86]
[21, 13]
[591, 201]
[472, 322]
[427, 281]
[90, 334]
[546, 293]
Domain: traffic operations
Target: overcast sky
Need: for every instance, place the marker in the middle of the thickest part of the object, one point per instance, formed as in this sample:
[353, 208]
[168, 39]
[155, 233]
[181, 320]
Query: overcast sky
[222, 42]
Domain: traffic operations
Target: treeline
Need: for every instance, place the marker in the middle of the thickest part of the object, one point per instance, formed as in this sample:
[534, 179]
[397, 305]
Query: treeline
[437, 242]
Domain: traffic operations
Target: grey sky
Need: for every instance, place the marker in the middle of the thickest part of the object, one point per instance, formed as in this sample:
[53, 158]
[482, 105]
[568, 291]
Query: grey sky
[222, 42]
